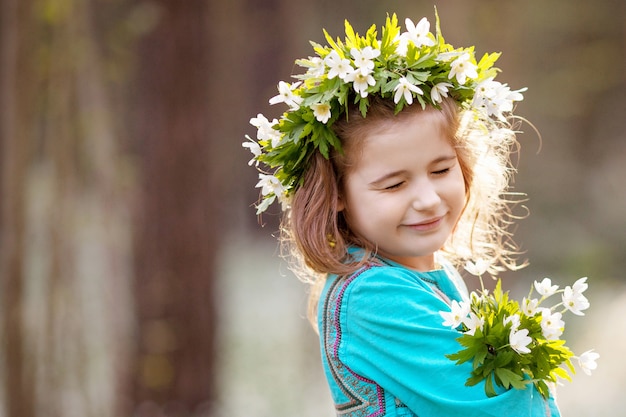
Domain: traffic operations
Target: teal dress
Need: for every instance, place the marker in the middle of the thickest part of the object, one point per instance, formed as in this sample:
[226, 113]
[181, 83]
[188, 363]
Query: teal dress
[383, 349]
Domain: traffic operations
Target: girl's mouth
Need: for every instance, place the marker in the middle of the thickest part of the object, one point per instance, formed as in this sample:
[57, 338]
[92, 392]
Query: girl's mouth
[426, 225]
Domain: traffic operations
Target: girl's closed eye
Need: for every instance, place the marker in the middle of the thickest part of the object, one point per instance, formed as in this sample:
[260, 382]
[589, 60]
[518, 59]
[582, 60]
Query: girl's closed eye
[441, 171]
[394, 186]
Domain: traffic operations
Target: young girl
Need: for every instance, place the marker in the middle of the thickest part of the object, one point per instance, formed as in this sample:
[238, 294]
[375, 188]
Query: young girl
[392, 166]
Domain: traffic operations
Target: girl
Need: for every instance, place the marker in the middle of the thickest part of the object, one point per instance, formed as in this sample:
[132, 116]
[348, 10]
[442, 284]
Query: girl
[392, 165]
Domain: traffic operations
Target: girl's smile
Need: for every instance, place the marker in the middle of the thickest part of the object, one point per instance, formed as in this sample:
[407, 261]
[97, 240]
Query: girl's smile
[426, 225]
[406, 191]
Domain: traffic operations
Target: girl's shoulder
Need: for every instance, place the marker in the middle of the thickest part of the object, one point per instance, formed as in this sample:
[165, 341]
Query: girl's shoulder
[379, 282]
[380, 268]
[378, 273]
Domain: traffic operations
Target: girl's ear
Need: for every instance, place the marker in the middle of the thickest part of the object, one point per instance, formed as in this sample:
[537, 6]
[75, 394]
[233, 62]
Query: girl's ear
[340, 204]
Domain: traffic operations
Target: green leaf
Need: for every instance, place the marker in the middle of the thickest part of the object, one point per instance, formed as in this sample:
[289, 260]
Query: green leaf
[390, 85]
[488, 60]
[323, 147]
[562, 373]
[417, 77]
[425, 61]
[479, 357]
[333, 140]
[321, 50]
[510, 378]
[352, 40]
[389, 33]
[489, 389]
[371, 37]
[296, 132]
[461, 356]
[474, 380]
[363, 104]
[543, 389]
[342, 94]
[421, 100]
[438, 34]
[504, 358]
[313, 98]
[336, 46]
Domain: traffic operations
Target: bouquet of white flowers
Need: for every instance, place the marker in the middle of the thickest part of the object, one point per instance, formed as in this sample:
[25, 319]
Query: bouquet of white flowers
[512, 344]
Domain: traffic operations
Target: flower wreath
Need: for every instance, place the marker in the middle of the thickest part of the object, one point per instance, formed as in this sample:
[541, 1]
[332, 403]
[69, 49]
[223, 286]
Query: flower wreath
[408, 66]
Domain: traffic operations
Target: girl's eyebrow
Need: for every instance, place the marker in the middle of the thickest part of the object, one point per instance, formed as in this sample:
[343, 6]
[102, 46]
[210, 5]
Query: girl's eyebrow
[401, 172]
[444, 158]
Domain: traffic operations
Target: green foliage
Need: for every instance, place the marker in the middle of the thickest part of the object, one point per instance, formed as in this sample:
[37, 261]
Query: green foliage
[499, 364]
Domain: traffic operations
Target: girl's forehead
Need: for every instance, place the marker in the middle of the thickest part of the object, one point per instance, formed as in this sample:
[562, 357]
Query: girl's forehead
[406, 123]
[418, 138]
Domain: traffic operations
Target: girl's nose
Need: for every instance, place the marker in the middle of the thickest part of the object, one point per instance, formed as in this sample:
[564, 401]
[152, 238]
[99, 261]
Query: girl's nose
[425, 196]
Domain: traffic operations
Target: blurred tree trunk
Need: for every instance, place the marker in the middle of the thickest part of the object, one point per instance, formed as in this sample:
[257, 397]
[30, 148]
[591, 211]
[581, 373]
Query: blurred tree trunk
[64, 224]
[15, 105]
[175, 248]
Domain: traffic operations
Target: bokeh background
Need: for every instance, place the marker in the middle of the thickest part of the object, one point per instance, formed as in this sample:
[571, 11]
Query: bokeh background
[136, 279]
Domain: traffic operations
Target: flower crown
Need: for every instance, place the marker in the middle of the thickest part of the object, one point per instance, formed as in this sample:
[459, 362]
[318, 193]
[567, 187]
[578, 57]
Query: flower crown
[404, 67]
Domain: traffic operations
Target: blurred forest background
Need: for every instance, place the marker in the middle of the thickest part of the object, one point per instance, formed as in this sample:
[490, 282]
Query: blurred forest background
[135, 277]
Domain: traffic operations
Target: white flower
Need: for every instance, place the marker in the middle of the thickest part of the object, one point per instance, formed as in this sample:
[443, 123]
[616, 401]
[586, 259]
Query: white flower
[580, 286]
[287, 96]
[529, 306]
[545, 287]
[267, 201]
[417, 34]
[360, 82]
[262, 123]
[447, 56]
[315, 66]
[473, 322]
[495, 98]
[338, 67]
[439, 91]
[255, 148]
[477, 298]
[486, 88]
[321, 111]
[364, 58]
[551, 324]
[266, 129]
[283, 198]
[404, 88]
[587, 361]
[462, 68]
[574, 301]
[519, 340]
[269, 184]
[514, 320]
[458, 312]
[477, 268]
[484, 97]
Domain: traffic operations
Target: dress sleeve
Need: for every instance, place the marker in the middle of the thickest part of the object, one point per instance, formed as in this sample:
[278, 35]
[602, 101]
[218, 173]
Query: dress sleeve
[393, 334]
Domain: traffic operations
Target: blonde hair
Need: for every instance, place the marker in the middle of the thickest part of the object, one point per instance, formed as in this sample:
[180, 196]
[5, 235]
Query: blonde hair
[316, 236]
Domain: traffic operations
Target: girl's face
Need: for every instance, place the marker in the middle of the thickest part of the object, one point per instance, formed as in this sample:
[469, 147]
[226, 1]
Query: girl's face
[405, 192]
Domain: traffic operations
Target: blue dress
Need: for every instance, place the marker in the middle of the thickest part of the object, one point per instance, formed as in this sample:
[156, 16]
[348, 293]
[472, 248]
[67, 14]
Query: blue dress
[383, 349]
